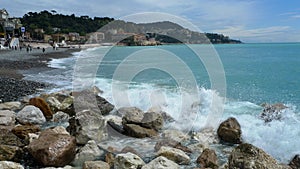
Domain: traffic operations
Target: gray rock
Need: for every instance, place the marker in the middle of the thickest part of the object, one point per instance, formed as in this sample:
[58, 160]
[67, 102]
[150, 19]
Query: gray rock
[161, 163]
[60, 117]
[249, 156]
[10, 165]
[89, 152]
[152, 120]
[174, 154]
[7, 117]
[128, 161]
[272, 112]
[31, 115]
[90, 126]
[176, 135]
[230, 131]
[95, 165]
[131, 115]
[10, 106]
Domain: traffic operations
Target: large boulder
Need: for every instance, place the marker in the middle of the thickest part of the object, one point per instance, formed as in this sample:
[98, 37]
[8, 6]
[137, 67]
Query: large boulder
[22, 131]
[31, 115]
[10, 165]
[248, 156]
[161, 163]
[272, 112]
[95, 165]
[60, 117]
[171, 143]
[7, 117]
[89, 152]
[10, 153]
[230, 131]
[295, 162]
[208, 158]
[152, 120]
[53, 149]
[174, 154]
[128, 160]
[88, 125]
[43, 106]
[131, 115]
[137, 131]
[10, 106]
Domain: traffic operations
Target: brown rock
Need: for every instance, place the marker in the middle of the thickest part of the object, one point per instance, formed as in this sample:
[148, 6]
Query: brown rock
[137, 131]
[10, 153]
[295, 163]
[43, 106]
[171, 143]
[95, 165]
[53, 149]
[8, 138]
[110, 159]
[230, 131]
[22, 131]
[131, 150]
[208, 158]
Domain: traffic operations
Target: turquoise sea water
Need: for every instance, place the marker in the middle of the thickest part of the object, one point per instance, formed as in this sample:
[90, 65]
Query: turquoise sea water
[255, 74]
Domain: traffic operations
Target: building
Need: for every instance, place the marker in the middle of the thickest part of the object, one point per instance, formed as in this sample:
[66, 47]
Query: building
[74, 36]
[10, 26]
[95, 37]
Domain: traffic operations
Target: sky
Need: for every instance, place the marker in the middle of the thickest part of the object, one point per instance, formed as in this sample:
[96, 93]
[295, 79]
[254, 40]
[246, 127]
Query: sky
[247, 20]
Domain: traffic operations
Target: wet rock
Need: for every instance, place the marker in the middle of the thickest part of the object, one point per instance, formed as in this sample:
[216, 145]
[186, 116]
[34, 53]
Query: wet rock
[171, 143]
[131, 115]
[166, 117]
[10, 165]
[208, 158]
[8, 138]
[137, 131]
[128, 160]
[249, 156]
[10, 106]
[230, 131]
[152, 120]
[89, 125]
[31, 115]
[128, 149]
[61, 102]
[272, 112]
[53, 149]
[60, 117]
[95, 165]
[7, 117]
[161, 163]
[10, 153]
[174, 154]
[176, 135]
[197, 147]
[22, 131]
[295, 162]
[206, 136]
[89, 152]
[43, 106]
[110, 159]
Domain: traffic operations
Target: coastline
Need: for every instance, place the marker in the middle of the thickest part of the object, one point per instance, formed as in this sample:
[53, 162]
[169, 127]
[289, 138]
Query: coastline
[13, 62]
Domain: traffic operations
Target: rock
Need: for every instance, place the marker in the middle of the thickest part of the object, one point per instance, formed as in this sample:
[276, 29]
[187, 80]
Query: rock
[65, 167]
[166, 117]
[89, 152]
[249, 156]
[295, 163]
[53, 149]
[53, 103]
[272, 112]
[110, 159]
[206, 136]
[176, 135]
[30, 115]
[88, 100]
[161, 163]
[10, 106]
[230, 131]
[128, 160]
[32, 136]
[43, 106]
[22, 131]
[10, 153]
[60, 130]
[137, 131]
[174, 154]
[95, 165]
[7, 117]
[197, 147]
[8, 138]
[89, 125]
[10, 165]
[152, 120]
[208, 158]
[171, 143]
[131, 115]
[128, 149]
[60, 117]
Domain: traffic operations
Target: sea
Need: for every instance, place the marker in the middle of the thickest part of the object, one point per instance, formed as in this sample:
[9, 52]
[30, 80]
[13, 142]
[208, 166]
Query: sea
[198, 85]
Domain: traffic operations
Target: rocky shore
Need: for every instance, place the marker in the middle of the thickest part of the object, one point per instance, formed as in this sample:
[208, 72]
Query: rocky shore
[80, 129]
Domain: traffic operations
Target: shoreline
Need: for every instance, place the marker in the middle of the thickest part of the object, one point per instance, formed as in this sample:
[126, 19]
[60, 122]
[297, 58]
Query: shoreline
[13, 62]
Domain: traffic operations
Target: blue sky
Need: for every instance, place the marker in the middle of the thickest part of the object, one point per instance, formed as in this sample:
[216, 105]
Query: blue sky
[247, 20]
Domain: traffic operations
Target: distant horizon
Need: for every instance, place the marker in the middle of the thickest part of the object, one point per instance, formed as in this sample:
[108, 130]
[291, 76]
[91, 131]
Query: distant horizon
[251, 21]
